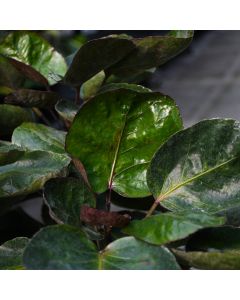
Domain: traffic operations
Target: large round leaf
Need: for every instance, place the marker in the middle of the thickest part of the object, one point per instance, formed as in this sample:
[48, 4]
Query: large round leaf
[168, 227]
[11, 253]
[34, 51]
[22, 173]
[12, 116]
[66, 247]
[65, 196]
[95, 56]
[115, 135]
[151, 51]
[198, 169]
[33, 136]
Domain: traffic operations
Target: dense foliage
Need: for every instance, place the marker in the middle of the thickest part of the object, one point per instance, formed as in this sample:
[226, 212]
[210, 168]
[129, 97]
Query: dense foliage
[118, 143]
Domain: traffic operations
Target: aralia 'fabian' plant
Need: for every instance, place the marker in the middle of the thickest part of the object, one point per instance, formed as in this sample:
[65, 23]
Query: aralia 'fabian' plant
[119, 142]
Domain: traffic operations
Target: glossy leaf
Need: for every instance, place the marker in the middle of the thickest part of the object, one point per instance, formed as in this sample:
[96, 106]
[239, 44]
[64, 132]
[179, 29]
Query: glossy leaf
[229, 260]
[131, 254]
[11, 117]
[91, 87]
[168, 227]
[11, 253]
[65, 196]
[115, 135]
[32, 136]
[95, 56]
[151, 51]
[67, 110]
[197, 169]
[221, 238]
[23, 173]
[34, 52]
[32, 98]
[66, 247]
[115, 86]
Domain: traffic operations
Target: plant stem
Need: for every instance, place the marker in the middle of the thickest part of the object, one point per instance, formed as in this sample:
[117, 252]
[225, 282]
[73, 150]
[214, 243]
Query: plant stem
[155, 204]
[41, 116]
[108, 199]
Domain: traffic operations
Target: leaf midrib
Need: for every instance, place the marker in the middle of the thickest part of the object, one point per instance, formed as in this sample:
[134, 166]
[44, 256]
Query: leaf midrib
[162, 197]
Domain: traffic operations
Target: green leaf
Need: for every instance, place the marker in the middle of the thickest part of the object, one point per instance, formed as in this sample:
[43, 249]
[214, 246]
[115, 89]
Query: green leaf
[115, 135]
[33, 136]
[197, 169]
[229, 260]
[95, 56]
[67, 110]
[34, 52]
[12, 116]
[23, 173]
[9, 76]
[11, 253]
[168, 227]
[221, 238]
[32, 98]
[115, 86]
[131, 254]
[151, 51]
[91, 87]
[65, 196]
[65, 247]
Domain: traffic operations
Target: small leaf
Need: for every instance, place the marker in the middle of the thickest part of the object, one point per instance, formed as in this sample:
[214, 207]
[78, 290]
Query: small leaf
[32, 136]
[167, 227]
[151, 51]
[197, 169]
[32, 98]
[95, 56]
[11, 117]
[33, 55]
[67, 110]
[91, 87]
[23, 173]
[228, 260]
[64, 247]
[65, 197]
[11, 253]
[115, 135]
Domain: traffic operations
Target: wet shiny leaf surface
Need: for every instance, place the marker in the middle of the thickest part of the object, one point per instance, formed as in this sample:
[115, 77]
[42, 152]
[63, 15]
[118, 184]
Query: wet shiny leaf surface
[198, 168]
[23, 173]
[115, 135]
[34, 51]
[168, 227]
[33, 136]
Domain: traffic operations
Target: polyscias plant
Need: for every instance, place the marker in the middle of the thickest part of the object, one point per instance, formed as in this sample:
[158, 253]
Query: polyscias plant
[117, 143]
